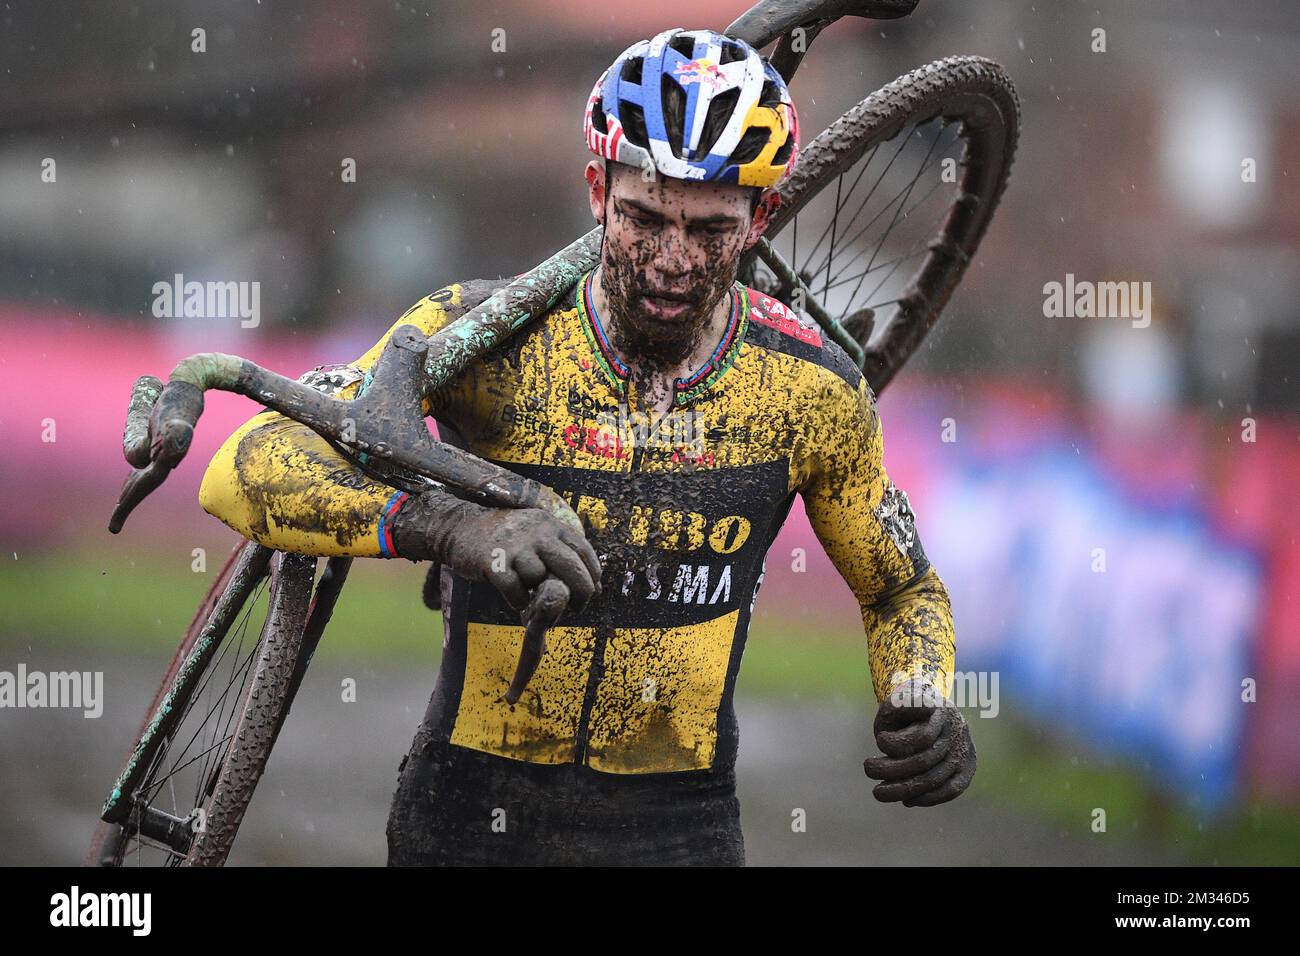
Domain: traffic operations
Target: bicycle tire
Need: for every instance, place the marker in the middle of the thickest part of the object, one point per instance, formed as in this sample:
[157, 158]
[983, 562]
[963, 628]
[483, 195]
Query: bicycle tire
[968, 89]
[265, 701]
[268, 697]
[106, 843]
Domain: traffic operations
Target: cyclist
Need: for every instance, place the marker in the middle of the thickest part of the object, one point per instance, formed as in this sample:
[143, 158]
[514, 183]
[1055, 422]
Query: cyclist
[679, 413]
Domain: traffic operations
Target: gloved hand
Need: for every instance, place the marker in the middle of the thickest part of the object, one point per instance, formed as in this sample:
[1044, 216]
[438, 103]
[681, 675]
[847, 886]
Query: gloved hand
[513, 549]
[929, 755]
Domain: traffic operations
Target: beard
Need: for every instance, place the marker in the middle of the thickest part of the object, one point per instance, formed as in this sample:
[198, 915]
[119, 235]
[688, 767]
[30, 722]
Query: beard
[652, 342]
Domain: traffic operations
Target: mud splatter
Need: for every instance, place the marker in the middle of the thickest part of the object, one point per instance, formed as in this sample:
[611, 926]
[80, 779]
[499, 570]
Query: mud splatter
[641, 256]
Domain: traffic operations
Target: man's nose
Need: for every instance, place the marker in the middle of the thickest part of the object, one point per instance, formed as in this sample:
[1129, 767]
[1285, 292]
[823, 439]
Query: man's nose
[671, 254]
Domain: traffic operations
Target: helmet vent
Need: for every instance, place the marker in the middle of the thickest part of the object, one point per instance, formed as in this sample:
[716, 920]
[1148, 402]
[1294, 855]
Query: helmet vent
[631, 72]
[634, 125]
[783, 152]
[750, 145]
[674, 101]
[684, 45]
[731, 53]
[598, 121]
[720, 110]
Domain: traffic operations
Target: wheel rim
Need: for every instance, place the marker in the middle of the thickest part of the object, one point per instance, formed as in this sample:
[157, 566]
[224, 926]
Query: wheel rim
[887, 206]
[182, 772]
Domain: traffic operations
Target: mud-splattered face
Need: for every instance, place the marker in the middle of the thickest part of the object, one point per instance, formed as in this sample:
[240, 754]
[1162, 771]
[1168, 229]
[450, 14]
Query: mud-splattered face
[671, 251]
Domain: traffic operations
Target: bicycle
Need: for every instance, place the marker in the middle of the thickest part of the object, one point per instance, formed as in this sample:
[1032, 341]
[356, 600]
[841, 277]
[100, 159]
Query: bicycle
[221, 735]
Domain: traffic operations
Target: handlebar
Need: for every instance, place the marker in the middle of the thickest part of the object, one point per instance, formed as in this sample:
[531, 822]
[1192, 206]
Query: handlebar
[769, 20]
[764, 22]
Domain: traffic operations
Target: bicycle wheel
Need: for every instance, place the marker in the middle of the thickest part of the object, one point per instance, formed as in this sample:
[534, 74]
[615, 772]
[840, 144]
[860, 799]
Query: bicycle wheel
[201, 766]
[231, 785]
[243, 568]
[918, 168]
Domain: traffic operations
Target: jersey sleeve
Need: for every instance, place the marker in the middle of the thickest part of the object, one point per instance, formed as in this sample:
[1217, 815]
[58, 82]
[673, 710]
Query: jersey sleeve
[867, 527]
[276, 481]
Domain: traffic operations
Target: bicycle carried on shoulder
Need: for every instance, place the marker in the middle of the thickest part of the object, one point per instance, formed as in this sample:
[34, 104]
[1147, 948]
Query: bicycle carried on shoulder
[917, 170]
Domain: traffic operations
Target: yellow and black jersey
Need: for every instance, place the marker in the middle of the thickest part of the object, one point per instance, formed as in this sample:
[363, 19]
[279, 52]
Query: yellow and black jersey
[682, 507]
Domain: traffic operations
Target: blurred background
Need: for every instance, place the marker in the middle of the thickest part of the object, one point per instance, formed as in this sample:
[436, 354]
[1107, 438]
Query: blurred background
[1160, 685]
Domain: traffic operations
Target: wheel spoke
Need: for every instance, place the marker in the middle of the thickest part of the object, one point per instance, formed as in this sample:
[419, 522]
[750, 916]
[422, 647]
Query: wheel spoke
[910, 186]
[874, 186]
[211, 705]
[910, 254]
[168, 751]
[838, 279]
[239, 668]
[840, 263]
[834, 221]
[199, 756]
[837, 257]
[921, 246]
[899, 198]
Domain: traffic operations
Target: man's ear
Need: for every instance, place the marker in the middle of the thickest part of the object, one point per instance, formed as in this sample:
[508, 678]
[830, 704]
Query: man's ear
[595, 176]
[767, 205]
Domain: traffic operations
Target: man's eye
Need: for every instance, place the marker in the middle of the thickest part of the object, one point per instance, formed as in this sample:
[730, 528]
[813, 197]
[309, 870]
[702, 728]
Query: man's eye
[642, 221]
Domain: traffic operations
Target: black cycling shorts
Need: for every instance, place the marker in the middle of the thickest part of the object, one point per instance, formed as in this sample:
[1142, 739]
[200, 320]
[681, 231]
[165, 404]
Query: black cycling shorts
[456, 806]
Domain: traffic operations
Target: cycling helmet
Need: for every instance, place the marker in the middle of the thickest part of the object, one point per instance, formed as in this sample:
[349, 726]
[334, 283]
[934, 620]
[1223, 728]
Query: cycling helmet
[695, 105]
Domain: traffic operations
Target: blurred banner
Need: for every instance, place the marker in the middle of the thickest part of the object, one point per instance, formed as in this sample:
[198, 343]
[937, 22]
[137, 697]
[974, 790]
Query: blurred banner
[1122, 613]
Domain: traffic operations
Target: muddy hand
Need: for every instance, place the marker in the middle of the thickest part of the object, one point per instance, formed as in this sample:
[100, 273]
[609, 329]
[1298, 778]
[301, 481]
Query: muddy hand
[514, 550]
[929, 755]
[540, 566]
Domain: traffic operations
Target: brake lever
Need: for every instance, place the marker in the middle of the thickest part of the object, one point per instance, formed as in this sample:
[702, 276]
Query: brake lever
[549, 600]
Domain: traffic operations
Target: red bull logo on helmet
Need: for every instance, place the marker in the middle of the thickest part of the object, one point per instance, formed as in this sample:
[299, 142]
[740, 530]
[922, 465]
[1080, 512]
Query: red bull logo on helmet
[704, 71]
